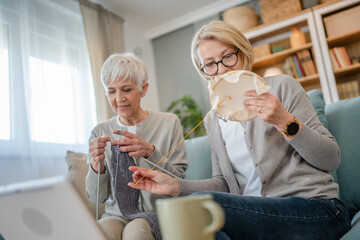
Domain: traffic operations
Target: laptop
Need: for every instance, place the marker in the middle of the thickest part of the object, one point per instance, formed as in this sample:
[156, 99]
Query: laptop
[45, 209]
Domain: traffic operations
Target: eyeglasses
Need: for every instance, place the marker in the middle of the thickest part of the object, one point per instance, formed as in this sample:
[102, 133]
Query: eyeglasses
[228, 60]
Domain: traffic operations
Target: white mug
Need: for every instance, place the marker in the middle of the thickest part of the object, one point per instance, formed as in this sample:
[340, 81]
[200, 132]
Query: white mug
[190, 218]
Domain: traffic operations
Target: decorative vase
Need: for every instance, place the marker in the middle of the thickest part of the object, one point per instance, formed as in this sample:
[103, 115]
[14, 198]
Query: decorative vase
[272, 71]
[297, 38]
[242, 17]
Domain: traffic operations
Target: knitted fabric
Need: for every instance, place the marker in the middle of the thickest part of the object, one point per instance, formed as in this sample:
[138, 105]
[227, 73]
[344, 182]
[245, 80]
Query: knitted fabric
[127, 197]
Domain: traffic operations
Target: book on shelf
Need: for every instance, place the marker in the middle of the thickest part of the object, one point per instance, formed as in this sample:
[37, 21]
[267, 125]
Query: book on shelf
[348, 89]
[307, 65]
[339, 57]
[334, 61]
[355, 88]
[303, 63]
[300, 66]
[341, 91]
[309, 61]
[345, 55]
[297, 66]
[293, 67]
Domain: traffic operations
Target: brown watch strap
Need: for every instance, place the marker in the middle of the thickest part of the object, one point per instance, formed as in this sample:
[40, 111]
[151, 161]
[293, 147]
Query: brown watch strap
[285, 132]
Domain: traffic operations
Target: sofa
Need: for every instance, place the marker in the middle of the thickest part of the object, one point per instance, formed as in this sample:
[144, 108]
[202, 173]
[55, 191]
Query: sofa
[341, 118]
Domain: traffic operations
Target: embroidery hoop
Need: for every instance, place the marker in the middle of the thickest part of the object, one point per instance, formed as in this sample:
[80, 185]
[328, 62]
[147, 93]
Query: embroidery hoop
[234, 84]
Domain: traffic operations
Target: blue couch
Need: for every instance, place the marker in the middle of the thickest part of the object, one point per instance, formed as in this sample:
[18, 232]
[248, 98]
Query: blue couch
[343, 121]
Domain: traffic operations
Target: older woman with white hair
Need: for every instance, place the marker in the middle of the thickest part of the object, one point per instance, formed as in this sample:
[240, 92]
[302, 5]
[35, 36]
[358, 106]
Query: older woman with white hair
[149, 136]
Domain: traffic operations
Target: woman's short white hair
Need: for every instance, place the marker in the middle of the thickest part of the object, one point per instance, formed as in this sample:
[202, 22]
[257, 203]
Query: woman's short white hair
[124, 66]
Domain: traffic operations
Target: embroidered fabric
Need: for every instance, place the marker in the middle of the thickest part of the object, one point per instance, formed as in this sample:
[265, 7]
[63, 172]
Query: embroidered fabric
[231, 87]
[127, 197]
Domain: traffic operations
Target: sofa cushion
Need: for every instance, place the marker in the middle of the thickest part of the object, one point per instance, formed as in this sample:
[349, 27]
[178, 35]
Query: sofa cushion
[344, 124]
[354, 232]
[199, 155]
[356, 219]
[317, 100]
[78, 168]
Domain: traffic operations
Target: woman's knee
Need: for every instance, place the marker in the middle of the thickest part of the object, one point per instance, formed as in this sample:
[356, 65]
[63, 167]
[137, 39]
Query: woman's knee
[138, 228]
[112, 227]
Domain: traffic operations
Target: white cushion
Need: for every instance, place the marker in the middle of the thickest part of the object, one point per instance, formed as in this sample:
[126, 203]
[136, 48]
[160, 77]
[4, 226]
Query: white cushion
[78, 168]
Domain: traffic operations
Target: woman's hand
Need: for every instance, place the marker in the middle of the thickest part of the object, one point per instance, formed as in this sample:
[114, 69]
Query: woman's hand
[134, 145]
[97, 152]
[269, 108]
[155, 182]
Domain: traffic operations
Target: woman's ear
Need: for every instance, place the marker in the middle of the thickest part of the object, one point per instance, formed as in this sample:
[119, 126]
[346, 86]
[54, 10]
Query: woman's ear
[144, 89]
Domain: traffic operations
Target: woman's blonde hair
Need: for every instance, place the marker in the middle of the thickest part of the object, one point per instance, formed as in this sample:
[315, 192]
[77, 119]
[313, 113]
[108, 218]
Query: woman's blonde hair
[124, 66]
[227, 34]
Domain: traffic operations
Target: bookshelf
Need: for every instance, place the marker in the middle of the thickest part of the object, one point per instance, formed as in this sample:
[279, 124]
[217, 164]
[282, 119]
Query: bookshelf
[278, 34]
[343, 82]
[279, 56]
[311, 21]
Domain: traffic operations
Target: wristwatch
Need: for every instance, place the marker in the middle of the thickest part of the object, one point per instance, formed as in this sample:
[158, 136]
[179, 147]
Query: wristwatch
[292, 128]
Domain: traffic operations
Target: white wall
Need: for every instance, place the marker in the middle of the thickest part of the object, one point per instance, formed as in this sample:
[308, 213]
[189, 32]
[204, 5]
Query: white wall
[135, 41]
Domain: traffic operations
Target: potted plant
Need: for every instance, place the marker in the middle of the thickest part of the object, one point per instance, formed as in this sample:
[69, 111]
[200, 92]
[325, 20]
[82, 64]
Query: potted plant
[188, 111]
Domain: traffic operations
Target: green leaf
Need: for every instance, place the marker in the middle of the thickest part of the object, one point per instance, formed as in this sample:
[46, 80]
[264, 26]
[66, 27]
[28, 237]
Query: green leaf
[188, 111]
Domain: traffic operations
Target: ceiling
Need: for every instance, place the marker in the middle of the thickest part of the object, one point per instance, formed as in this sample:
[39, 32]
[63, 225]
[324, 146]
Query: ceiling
[148, 15]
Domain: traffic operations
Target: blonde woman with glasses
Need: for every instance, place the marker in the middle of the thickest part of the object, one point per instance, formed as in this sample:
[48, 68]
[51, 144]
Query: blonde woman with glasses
[271, 174]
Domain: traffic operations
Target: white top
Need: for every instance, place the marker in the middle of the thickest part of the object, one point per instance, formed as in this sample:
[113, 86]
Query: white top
[241, 161]
[131, 129]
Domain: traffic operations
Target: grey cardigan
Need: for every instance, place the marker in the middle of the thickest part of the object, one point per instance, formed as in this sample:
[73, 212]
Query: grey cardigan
[164, 131]
[299, 167]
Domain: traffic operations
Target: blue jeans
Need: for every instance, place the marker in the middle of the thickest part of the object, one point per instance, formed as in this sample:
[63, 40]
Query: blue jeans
[281, 218]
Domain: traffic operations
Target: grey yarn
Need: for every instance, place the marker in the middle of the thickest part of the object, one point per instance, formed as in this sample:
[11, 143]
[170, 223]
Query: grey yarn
[127, 197]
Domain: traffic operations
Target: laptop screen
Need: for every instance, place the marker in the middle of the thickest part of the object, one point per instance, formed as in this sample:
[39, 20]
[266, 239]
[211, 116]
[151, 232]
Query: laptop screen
[45, 209]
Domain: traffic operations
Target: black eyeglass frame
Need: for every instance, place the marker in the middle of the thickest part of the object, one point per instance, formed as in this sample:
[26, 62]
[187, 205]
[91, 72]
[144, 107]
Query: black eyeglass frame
[221, 61]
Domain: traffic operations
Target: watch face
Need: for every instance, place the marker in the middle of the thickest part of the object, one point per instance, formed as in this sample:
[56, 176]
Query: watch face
[292, 128]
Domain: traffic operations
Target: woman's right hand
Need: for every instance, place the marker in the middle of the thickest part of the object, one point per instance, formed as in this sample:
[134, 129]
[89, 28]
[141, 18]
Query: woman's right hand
[155, 182]
[97, 152]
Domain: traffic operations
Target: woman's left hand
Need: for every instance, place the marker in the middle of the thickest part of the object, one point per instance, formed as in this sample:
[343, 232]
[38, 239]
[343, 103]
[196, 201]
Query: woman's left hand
[134, 145]
[269, 108]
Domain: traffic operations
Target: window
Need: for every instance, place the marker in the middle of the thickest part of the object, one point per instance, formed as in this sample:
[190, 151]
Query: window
[4, 87]
[46, 95]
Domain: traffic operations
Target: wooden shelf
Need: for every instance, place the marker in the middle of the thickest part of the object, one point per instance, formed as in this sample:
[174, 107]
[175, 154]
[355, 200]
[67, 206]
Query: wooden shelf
[277, 31]
[278, 57]
[343, 39]
[300, 24]
[261, 26]
[347, 70]
[309, 79]
[325, 4]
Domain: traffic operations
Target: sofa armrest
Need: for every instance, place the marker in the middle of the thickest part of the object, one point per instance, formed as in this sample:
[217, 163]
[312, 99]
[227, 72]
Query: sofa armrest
[354, 233]
[199, 156]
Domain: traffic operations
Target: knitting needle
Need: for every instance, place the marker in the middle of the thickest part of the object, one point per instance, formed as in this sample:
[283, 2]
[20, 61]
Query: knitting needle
[98, 186]
[97, 194]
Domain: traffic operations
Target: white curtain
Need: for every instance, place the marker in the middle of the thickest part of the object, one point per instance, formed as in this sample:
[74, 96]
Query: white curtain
[47, 101]
[104, 34]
